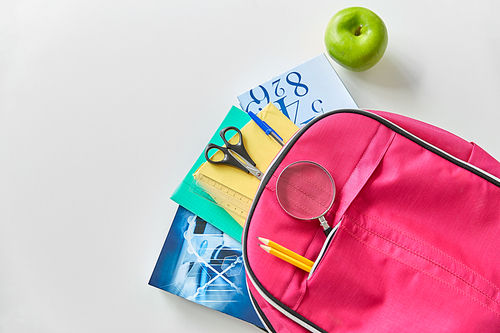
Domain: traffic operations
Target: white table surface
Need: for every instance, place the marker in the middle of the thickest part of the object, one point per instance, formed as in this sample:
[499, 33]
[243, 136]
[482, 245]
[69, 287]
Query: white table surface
[106, 104]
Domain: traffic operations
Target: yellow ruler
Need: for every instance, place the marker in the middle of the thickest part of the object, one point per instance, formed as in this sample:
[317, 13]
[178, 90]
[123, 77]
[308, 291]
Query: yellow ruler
[235, 203]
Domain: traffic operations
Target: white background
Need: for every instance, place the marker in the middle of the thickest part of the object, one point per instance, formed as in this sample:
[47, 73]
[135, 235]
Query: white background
[106, 104]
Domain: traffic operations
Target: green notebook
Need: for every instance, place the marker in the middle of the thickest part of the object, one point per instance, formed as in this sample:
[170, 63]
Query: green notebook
[196, 202]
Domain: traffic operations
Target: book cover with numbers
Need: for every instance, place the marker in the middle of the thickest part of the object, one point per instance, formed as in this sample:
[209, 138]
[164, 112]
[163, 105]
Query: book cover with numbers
[301, 93]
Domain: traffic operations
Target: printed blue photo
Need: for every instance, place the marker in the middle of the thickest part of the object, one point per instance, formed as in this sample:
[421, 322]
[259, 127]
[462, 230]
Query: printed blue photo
[202, 264]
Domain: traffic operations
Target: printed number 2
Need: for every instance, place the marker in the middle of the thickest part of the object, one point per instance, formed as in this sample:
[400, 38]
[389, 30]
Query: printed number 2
[294, 81]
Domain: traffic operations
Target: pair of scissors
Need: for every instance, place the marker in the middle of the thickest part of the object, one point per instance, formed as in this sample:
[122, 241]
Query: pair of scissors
[233, 154]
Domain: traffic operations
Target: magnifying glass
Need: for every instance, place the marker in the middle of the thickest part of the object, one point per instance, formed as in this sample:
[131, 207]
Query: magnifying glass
[306, 191]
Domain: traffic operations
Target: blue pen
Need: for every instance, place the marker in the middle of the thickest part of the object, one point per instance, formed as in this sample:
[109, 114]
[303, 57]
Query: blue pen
[266, 128]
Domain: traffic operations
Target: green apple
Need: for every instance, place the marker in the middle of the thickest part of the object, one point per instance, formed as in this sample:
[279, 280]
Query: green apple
[356, 38]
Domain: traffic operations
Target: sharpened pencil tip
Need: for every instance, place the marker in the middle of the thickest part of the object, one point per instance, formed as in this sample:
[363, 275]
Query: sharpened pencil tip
[265, 248]
[263, 240]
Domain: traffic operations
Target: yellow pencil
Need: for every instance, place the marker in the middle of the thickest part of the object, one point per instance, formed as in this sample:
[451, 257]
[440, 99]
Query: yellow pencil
[286, 251]
[286, 258]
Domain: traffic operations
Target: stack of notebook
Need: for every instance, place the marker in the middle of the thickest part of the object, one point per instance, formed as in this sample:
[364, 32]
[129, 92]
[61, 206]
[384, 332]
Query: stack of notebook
[201, 259]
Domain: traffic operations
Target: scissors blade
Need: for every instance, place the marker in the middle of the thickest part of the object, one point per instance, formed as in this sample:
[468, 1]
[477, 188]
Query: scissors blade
[245, 164]
[254, 171]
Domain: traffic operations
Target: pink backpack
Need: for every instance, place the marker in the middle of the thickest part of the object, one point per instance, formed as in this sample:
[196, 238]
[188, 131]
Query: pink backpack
[415, 245]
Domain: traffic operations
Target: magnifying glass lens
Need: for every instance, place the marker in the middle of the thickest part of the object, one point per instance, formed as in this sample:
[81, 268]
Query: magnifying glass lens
[305, 190]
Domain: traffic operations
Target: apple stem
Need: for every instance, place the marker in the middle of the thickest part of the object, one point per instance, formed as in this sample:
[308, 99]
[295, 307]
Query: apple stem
[358, 31]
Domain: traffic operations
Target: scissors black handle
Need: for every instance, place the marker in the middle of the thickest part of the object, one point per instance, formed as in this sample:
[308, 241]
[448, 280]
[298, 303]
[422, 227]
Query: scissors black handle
[228, 159]
[238, 147]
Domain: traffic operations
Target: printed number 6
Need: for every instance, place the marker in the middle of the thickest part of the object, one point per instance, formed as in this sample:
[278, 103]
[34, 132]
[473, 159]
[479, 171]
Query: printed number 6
[256, 100]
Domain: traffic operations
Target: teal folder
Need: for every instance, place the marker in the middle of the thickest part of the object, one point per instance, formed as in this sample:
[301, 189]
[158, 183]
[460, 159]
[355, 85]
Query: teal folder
[198, 204]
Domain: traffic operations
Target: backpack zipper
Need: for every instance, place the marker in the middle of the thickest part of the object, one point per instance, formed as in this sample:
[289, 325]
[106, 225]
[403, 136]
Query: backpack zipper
[325, 246]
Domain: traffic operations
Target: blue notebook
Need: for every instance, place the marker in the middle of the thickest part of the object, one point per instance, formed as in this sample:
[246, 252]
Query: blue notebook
[301, 93]
[202, 264]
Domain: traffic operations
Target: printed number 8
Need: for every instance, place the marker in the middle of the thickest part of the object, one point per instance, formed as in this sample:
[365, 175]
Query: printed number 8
[297, 84]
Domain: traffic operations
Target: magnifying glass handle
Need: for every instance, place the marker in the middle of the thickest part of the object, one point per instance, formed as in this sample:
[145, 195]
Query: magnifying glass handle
[324, 224]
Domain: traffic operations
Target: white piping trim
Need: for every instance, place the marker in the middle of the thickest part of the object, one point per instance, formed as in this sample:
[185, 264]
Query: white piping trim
[437, 148]
[253, 301]
[277, 307]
